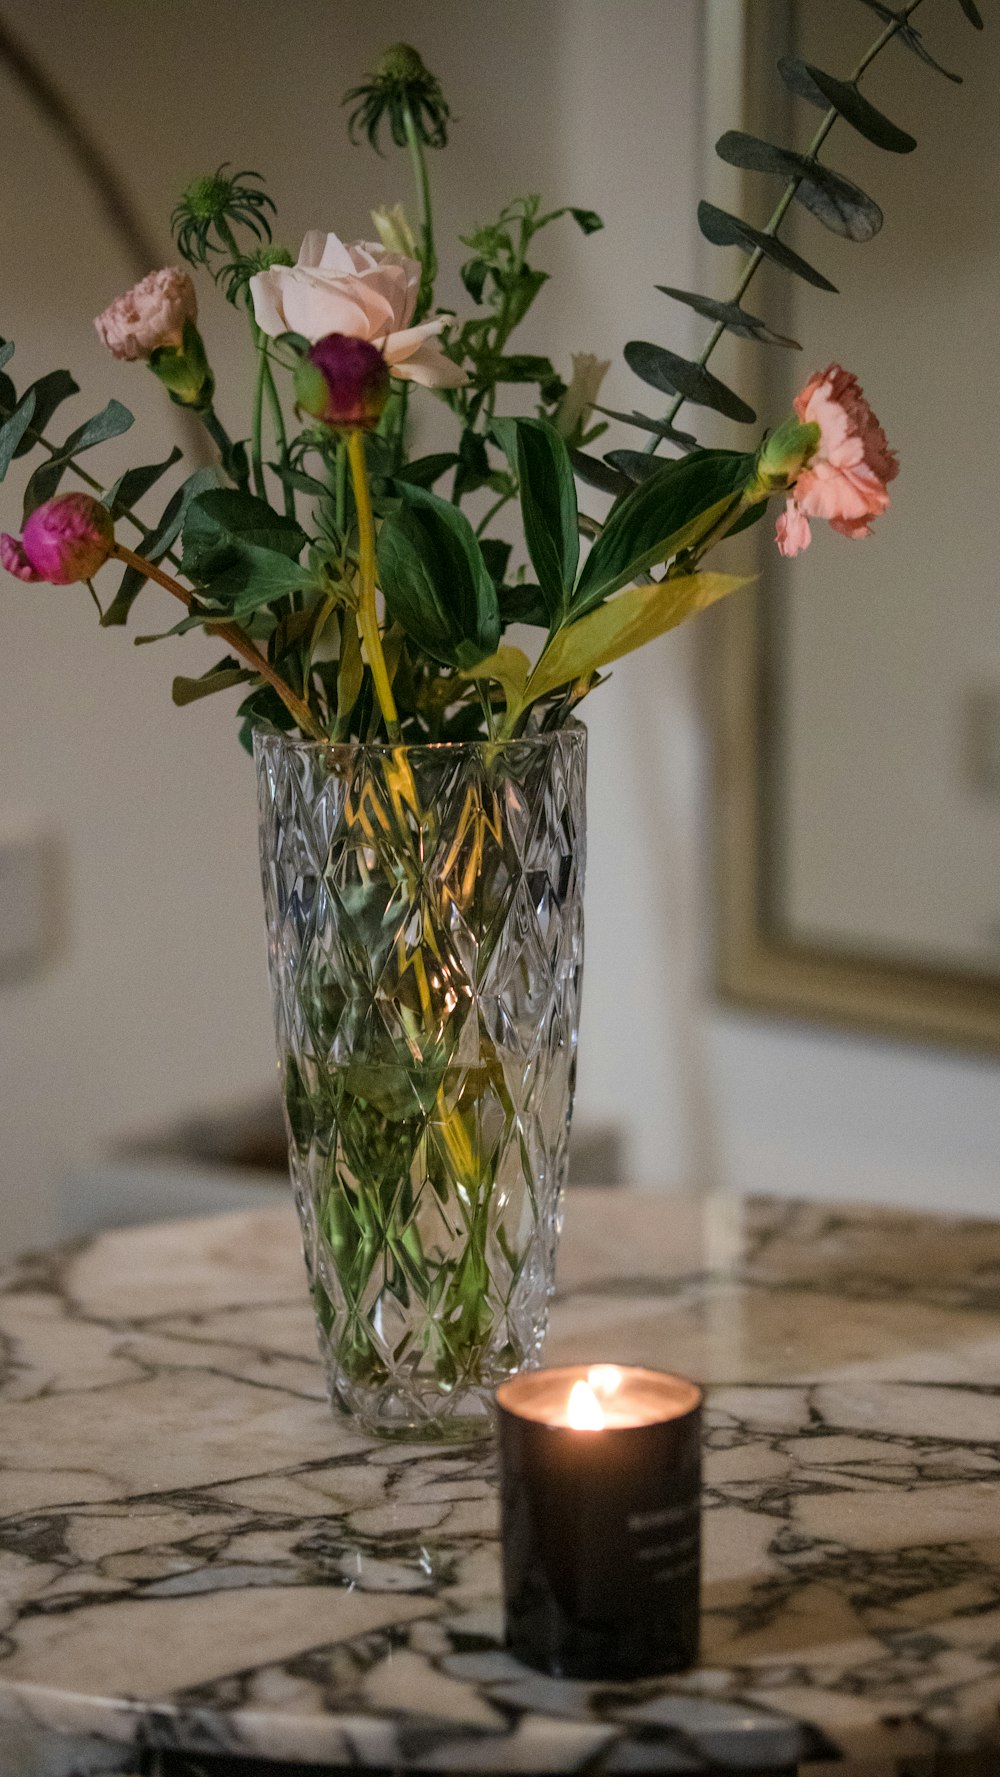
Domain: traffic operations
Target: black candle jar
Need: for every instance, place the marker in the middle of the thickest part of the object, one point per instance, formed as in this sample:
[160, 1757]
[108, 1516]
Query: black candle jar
[601, 1520]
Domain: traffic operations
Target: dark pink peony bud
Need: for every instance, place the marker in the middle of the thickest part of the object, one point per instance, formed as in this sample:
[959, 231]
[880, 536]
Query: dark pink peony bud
[13, 558]
[344, 382]
[67, 539]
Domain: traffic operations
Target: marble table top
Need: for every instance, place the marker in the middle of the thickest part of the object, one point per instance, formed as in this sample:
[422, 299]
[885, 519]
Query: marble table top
[195, 1554]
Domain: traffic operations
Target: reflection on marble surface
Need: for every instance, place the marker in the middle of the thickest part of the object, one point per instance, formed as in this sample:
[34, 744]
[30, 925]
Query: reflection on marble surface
[195, 1555]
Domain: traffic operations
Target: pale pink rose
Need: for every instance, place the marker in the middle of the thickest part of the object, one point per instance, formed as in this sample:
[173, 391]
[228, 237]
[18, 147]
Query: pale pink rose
[67, 539]
[362, 291]
[150, 315]
[846, 481]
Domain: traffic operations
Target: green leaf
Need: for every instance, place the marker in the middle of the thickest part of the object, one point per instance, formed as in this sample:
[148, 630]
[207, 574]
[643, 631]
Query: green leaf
[628, 622]
[241, 577]
[544, 472]
[496, 555]
[424, 471]
[725, 230]
[435, 581]
[733, 318]
[473, 470]
[823, 91]
[228, 516]
[473, 274]
[262, 709]
[520, 367]
[520, 292]
[972, 13]
[678, 376]
[300, 481]
[637, 465]
[155, 544]
[597, 474]
[523, 603]
[111, 422]
[14, 429]
[833, 200]
[130, 487]
[666, 513]
[49, 392]
[643, 422]
[6, 352]
[588, 220]
[910, 37]
[195, 620]
[218, 678]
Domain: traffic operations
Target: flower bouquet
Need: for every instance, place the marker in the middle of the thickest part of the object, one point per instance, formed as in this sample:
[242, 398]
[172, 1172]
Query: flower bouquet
[409, 681]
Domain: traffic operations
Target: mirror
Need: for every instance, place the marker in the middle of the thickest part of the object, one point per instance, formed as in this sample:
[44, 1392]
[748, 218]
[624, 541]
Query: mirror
[858, 689]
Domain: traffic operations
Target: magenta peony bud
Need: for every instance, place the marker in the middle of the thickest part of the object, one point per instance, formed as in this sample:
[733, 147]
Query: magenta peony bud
[343, 382]
[67, 539]
[13, 558]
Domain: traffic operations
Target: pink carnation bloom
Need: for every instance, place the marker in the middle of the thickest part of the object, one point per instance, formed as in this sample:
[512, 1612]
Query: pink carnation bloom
[67, 539]
[150, 315]
[846, 481]
[363, 292]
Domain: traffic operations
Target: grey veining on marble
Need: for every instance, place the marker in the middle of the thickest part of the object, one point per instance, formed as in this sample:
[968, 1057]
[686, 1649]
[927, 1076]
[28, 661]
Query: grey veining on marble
[195, 1554]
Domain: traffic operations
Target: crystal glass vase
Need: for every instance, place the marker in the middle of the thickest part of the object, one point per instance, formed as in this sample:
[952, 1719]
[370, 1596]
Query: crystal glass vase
[425, 918]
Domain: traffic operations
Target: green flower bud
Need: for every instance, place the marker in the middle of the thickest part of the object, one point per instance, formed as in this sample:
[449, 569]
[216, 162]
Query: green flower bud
[785, 454]
[184, 370]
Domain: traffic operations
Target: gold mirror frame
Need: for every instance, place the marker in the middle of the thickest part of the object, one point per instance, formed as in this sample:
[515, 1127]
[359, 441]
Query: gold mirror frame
[757, 965]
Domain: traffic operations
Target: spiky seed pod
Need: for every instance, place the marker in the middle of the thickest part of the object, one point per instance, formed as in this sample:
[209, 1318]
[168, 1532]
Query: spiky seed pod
[400, 82]
[212, 206]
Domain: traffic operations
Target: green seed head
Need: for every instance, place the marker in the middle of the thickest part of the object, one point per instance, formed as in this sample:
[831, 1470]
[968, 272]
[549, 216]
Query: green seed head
[207, 197]
[401, 65]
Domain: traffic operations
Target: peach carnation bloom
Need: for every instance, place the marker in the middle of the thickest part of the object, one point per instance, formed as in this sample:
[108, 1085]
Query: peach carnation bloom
[846, 481]
[150, 315]
[362, 291]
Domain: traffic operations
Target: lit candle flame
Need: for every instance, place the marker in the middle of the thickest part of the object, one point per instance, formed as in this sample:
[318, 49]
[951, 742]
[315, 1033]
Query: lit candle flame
[584, 1412]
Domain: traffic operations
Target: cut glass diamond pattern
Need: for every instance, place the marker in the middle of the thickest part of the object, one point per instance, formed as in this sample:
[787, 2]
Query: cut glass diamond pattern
[425, 920]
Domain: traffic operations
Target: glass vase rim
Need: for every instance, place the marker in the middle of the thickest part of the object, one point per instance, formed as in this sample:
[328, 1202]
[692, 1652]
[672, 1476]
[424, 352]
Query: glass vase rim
[574, 729]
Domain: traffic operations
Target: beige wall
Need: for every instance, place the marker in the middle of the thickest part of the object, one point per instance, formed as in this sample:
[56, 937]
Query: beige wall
[159, 1003]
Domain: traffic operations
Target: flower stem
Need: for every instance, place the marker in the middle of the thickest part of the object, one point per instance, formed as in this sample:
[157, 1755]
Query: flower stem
[237, 639]
[781, 208]
[256, 453]
[340, 490]
[367, 614]
[428, 256]
[491, 513]
[278, 422]
[216, 431]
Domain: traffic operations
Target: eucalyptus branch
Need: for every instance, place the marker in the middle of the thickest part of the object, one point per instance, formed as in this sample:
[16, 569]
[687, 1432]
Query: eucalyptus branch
[781, 208]
[237, 639]
[55, 450]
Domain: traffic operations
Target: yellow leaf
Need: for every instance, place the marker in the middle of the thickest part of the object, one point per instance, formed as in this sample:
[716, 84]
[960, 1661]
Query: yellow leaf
[510, 667]
[627, 622]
